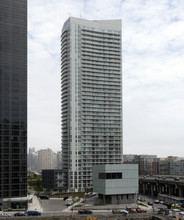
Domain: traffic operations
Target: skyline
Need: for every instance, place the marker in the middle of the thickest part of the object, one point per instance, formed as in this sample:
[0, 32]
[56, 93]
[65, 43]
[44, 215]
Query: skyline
[153, 48]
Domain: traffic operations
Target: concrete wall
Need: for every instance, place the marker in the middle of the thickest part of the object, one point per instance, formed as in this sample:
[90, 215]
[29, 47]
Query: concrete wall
[127, 185]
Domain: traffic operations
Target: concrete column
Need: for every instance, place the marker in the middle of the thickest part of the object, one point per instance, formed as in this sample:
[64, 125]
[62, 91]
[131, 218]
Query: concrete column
[168, 191]
[140, 187]
[104, 200]
[165, 186]
[171, 190]
[180, 192]
[163, 189]
[144, 188]
[159, 189]
[152, 190]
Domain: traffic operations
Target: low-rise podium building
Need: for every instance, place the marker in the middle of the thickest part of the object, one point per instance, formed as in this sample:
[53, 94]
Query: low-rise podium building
[116, 184]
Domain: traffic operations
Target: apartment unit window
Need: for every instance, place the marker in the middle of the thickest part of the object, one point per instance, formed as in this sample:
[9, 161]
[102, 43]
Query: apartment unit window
[108, 176]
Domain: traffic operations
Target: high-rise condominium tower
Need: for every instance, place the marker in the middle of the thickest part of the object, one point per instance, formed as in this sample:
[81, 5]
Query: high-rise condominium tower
[13, 98]
[91, 84]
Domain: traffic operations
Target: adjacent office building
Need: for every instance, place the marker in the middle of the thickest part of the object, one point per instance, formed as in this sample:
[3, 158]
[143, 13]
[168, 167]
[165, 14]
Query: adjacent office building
[91, 86]
[13, 99]
[52, 179]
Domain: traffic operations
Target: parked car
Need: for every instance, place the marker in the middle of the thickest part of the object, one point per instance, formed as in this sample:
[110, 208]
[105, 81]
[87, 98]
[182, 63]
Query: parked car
[85, 211]
[132, 211]
[156, 201]
[19, 214]
[139, 210]
[161, 202]
[4, 214]
[150, 203]
[33, 213]
[65, 198]
[44, 197]
[141, 199]
[161, 210]
[115, 211]
[69, 202]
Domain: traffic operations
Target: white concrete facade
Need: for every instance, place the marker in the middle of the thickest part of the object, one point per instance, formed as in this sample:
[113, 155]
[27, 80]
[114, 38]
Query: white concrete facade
[91, 84]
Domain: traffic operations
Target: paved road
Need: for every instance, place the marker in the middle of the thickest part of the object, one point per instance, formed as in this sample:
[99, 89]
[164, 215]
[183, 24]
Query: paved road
[149, 199]
[56, 207]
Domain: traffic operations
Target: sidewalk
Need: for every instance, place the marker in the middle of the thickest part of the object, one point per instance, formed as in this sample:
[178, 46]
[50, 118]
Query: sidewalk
[35, 205]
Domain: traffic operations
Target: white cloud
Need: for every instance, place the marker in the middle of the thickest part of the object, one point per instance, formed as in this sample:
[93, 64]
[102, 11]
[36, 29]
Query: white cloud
[153, 54]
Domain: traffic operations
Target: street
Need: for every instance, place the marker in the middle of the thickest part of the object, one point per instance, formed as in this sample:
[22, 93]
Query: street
[149, 199]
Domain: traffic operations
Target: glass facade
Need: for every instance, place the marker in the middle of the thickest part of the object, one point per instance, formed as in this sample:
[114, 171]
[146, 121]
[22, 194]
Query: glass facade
[13, 98]
[91, 80]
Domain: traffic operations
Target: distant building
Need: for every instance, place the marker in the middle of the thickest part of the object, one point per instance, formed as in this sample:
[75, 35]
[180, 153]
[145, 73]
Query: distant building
[171, 166]
[54, 161]
[45, 159]
[32, 159]
[129, 158]
[52, 179]
[58, 160]
[148, 164]
[151, 165]
[116, 184]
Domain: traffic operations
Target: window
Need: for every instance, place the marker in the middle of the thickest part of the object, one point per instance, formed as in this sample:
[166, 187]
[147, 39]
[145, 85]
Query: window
[110, 176]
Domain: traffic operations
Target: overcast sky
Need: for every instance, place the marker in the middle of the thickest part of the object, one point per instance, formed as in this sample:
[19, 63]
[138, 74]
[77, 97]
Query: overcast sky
[153, 71]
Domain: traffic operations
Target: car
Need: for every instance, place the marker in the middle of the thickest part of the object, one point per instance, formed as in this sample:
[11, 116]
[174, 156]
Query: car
[33, 213]
[150, 203]
[161, 202]
[156, 201]
[139, 210]
[116, 211]
[177, 178]
[65, 198]
[44, 197]
[68, 202]
[161, 210]
[85, 211]
[19, 214]
[141, 199]
[4, 214]
[132, 211]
